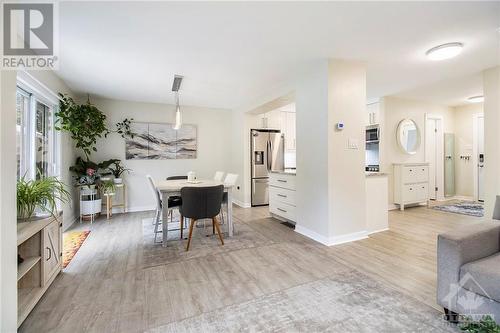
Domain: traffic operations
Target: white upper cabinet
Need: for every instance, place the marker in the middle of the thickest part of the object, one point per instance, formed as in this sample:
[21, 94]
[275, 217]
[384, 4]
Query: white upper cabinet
[271, 120]
[372, 113]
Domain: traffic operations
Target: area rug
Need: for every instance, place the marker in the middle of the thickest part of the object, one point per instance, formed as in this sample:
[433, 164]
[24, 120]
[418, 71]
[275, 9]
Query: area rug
[346, 302]
[72, 241]
[464, 207]
[203, 243]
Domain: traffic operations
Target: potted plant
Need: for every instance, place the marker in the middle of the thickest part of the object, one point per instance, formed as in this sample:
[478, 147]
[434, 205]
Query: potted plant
[108, 187]
[117, 169]
[42, 194]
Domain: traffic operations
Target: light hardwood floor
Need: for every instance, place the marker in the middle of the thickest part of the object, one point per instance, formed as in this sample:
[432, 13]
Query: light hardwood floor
[106, 288]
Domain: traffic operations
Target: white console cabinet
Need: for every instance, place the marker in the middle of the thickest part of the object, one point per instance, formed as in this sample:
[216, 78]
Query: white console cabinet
[411, 184]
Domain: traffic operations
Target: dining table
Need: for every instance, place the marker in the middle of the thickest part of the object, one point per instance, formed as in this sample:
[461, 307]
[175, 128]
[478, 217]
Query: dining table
[169, 188]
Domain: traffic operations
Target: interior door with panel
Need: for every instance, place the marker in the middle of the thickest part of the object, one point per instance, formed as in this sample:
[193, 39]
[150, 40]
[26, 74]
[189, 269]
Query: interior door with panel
[480, 159]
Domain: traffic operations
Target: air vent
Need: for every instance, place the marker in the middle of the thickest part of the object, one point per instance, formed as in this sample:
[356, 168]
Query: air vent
[177, 82]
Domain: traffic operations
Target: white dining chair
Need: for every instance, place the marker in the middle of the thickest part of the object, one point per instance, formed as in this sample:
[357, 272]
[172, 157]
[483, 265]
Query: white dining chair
[231, 179]
[158, 213]
[218, 176]
[173, 202]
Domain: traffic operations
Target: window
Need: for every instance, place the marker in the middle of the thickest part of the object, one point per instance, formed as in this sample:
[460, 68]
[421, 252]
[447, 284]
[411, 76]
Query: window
[36, 140]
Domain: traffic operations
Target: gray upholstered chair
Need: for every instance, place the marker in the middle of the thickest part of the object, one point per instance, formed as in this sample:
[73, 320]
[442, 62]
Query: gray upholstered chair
[202, 203]
[468, 271]
[177, 177]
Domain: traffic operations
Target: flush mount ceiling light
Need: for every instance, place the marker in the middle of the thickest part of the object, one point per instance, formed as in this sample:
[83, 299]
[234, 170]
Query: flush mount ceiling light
[476, 99]
[176, 85]
[444, 51]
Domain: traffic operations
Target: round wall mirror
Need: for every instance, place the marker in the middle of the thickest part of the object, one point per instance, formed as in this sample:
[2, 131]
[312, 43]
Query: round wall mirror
[408, 136]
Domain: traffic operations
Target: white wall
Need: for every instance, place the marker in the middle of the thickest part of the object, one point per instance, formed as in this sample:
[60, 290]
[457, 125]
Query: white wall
[396, 109]
[464, 182]
[491, 84]
[311, 107]
[214, 145]
[8, 225]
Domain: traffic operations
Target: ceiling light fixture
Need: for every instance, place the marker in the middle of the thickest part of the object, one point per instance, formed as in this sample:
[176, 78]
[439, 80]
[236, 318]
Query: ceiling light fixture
[176, 85]
[444, 51]
[476, 99]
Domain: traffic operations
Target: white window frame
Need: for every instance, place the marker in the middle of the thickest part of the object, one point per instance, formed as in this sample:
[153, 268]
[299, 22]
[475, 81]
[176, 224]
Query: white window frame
[39, 92]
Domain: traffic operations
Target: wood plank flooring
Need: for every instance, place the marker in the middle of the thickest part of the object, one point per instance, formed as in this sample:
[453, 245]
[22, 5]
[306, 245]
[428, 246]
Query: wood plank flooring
[106, 288]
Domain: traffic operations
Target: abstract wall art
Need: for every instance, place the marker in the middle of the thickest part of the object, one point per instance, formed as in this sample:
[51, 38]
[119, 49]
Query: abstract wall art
[160, 141]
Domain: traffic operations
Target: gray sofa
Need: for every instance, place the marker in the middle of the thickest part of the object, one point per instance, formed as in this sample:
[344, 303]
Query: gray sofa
[468, 271]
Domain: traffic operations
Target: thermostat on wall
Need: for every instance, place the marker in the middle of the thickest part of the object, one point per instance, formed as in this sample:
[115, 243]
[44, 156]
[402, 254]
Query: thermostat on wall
[340, 126]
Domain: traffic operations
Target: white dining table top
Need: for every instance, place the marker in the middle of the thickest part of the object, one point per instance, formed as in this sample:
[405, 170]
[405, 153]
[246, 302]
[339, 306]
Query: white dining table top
[177, 184]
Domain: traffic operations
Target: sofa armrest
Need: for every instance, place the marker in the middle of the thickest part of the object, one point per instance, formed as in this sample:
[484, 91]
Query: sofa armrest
[461, 246]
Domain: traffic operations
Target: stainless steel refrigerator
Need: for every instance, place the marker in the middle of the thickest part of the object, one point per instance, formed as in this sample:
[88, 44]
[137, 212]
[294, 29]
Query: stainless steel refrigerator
[267, 149]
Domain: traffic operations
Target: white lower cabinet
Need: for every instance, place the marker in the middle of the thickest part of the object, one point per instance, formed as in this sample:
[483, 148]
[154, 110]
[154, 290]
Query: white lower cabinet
[411, 184]
[282, 203]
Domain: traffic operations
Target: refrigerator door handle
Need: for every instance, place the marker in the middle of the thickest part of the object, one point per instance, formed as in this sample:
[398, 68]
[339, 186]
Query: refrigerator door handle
[268, 151]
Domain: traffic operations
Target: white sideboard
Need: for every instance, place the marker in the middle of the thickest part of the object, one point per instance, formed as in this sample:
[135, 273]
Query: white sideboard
[411, 184]
[282, 204]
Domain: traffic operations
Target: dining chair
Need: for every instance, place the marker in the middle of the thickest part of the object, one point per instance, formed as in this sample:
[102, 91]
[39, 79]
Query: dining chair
[176, 197]
[172, 203]
[218, 176]
[230, 179]
[202, 203]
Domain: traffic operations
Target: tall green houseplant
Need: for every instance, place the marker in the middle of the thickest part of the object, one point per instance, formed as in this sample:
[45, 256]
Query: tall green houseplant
[85, 122]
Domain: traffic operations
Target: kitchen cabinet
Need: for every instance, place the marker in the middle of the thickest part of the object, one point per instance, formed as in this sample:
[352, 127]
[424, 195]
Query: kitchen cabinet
[271, 120]
[373, 113]
[282, 203]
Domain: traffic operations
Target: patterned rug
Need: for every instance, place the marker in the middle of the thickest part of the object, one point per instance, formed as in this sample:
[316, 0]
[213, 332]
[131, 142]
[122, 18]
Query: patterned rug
[203, 242]
[72, 241]
[344, 302]
[465, 208]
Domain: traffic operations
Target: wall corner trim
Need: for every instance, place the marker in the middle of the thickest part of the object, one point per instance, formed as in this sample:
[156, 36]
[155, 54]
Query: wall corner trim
[330, 241]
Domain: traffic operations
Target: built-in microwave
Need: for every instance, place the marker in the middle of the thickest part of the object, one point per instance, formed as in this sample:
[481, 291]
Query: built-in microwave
[372, 133]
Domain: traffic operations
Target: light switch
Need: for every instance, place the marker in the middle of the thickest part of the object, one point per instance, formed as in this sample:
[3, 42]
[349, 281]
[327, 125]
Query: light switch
[352, 143]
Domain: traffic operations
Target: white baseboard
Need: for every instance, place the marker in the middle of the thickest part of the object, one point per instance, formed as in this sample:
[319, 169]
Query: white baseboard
[375, 231]
[392, 207]
[461, 197]
[241, 204]
[136, 209]
[329, 241]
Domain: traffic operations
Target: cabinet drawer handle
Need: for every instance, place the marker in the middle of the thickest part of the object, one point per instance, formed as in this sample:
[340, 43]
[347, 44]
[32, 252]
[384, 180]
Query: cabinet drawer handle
[50, 254]
[282, 195]
[282, 181]
[282, 210]
[411, 189]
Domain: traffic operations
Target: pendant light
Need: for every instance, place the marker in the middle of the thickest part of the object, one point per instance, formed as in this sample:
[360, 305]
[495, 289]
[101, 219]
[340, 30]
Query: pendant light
[175, 88]
[178, 116]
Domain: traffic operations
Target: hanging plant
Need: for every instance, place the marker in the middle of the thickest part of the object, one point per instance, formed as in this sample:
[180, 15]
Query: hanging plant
[123, 128]
[85, 122]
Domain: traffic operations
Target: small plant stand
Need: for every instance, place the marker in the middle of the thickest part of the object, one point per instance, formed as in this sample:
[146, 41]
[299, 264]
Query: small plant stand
[109, 199]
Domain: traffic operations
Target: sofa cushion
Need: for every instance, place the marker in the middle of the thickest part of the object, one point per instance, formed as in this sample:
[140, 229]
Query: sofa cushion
[485, 277]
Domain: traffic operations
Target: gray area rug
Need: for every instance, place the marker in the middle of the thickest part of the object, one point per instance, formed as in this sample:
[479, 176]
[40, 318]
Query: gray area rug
[465, 208]
[203, 243]
[347, 302]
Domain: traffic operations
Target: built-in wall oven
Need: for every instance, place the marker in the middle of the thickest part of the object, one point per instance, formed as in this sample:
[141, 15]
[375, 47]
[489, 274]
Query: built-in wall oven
[372, 158]
[372, 133]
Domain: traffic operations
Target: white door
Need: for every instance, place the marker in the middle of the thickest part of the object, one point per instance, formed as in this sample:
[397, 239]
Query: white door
[480, 158]
[434, 156]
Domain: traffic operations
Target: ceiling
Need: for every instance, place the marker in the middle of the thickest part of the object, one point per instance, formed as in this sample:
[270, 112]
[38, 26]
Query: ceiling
[230, 53]
[452, 92]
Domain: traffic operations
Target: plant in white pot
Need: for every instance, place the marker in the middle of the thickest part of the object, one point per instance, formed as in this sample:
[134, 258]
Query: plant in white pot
[117, 169]
[39, 194]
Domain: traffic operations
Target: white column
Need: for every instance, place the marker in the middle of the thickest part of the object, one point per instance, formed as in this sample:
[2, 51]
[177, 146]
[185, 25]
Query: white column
[8, 225]
[330, 163]
[491, 86]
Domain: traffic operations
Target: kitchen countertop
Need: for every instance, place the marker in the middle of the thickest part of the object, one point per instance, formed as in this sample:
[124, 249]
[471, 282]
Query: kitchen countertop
[375, 174]
[286, 172]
